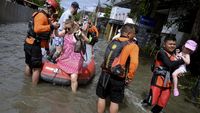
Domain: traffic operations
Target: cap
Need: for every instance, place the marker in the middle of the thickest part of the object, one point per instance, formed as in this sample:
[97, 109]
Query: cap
[75, 5]
[190, 44]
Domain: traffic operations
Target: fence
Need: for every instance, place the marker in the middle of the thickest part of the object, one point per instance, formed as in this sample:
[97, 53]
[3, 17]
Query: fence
[12, 12]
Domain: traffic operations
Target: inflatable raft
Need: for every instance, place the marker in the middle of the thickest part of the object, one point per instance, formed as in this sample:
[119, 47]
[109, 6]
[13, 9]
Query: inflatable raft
[53, 74]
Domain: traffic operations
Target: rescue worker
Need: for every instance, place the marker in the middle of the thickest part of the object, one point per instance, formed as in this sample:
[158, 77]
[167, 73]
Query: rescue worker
[161, 82]
[93, 33]
[111, 84]
[38, 35]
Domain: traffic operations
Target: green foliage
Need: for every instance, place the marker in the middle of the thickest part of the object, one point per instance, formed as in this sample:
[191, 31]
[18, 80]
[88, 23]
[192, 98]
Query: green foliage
[185, 21]
[39, 2]
[60, 12]
[90, 16]
[139, 9]
[77, 17]
[107, 10]
[58, 1]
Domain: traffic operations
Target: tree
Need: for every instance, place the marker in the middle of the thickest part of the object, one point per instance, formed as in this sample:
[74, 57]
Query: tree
[142, 8]
[77, 17]
[39, 2]
[196, 26]
[107, 10]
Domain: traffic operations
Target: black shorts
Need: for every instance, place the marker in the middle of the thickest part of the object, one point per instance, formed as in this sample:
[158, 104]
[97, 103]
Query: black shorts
[33, 55]
[114, 88]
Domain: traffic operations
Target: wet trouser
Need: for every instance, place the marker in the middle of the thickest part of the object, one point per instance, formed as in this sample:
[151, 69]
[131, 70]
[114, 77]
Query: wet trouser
[156, 109]
[33, 55]
[158, 96]
[110, 86]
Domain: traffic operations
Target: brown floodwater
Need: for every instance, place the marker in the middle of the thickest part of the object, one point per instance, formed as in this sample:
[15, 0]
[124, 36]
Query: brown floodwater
[18, 96]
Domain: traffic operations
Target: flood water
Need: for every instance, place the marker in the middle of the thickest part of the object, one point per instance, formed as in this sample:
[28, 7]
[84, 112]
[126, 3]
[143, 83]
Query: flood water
[18, 96]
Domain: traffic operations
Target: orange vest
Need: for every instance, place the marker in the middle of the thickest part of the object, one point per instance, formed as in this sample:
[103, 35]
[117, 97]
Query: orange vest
[131, 51]
[93, 29]
[158, 80]
[41, 25]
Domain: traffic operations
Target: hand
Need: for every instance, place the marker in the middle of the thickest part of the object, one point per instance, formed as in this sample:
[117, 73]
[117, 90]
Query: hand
[127, 81]
[185, 59]
[180, 75]
[56, 25]
[78, 32]
[178, 51]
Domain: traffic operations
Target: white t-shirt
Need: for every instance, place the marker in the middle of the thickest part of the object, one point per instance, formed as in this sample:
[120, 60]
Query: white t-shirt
[58, 41]
[182, 68]
[63, 18]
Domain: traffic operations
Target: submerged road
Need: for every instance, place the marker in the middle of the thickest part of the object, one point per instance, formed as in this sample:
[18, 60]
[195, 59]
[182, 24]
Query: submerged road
[18, 96]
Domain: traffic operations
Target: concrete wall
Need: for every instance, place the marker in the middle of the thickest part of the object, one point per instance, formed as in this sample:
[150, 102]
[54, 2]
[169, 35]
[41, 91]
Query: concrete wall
[12, 12]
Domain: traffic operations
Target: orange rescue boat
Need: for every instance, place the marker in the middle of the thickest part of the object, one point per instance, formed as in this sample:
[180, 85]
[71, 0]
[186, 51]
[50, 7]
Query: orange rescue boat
[53, 74]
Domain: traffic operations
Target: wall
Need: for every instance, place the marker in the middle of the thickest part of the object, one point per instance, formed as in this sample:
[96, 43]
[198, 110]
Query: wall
[119, 13]
[12, 12]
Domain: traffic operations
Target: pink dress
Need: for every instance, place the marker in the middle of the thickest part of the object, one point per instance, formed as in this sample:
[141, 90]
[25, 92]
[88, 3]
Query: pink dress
[69, 61]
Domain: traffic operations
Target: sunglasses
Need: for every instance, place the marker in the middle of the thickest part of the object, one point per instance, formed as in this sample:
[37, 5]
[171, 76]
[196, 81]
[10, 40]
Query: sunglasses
[47, 5]
[67, 29]
[50, 6]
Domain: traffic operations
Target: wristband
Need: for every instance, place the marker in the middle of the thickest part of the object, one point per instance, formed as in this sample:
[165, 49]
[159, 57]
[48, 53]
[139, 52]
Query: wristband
[51, 27]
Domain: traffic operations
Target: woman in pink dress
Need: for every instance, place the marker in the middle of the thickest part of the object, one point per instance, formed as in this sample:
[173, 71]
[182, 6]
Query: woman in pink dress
[70, 61]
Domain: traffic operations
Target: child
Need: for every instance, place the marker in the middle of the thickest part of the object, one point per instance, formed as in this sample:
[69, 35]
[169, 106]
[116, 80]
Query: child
[56, 43]
[187, 49]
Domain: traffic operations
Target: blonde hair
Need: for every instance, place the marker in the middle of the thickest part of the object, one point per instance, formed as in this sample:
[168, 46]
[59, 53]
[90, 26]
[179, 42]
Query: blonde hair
[70, 26]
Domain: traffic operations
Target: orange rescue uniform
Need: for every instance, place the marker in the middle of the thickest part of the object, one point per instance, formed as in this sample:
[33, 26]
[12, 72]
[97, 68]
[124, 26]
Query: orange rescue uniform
[41, 25]
[132, 51]
[93, 29]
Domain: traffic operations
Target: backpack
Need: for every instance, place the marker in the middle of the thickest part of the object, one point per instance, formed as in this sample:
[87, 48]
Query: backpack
[112, 56]
[93, 37]
[30, 32]
[80, 45]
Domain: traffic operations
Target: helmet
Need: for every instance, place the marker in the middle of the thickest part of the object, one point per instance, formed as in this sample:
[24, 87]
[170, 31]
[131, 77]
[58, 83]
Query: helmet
[53, 3]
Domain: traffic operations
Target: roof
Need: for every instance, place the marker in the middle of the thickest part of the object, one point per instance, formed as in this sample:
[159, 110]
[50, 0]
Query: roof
[118, 22]
[32, 3]
[124, 4]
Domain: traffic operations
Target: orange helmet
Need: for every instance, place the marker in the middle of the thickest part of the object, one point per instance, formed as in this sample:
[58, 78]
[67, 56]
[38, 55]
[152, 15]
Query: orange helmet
[53, 3]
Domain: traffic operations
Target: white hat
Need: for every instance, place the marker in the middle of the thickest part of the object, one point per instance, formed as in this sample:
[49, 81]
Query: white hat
[129, 21]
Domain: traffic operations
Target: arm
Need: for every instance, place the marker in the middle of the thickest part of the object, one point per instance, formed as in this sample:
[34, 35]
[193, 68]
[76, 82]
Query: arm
[59, 33]
[96, 31]
[167, 62]
[85, 38]
[62, 19]
[186, 59]
[134, 59]
[41, 23]
[132, 51]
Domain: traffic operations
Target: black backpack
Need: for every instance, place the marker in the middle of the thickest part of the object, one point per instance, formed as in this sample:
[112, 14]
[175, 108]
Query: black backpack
[113, 50]
[30, 32]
